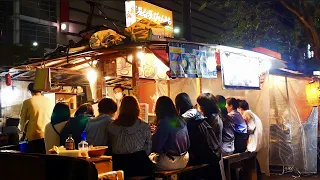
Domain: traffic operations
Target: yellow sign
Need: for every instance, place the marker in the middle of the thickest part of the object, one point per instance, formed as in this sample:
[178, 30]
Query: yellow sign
[137, 10]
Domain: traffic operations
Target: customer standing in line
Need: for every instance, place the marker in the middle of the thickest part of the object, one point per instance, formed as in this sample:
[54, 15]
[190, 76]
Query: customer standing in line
[35, 115]
[227, 146]
[240, 125]
[210, 109]
[255, 131]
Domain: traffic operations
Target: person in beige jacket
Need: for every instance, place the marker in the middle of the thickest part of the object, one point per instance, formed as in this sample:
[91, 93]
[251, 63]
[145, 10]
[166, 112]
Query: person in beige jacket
[35, 115]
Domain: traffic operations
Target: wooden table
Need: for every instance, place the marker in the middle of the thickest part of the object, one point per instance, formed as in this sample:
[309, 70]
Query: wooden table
[246, 161]
[103, 163]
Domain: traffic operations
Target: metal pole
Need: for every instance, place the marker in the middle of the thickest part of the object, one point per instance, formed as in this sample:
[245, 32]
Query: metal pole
[16, 22]
[187, 33]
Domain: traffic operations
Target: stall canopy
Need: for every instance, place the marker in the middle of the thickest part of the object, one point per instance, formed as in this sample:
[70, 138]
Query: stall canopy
[69, 68]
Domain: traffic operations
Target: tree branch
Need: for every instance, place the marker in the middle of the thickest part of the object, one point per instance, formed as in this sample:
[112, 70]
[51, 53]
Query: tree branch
[307, 9]
[300, 16]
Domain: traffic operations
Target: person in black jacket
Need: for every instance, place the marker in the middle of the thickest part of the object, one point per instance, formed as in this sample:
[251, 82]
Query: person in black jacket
[203, 128]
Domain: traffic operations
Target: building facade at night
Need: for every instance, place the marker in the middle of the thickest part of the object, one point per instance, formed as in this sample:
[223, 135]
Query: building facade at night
[29, 21]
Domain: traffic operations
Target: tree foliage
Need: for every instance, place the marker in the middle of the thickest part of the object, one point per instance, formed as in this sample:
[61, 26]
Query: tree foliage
[262, 23]
[308, 14]
[253, 24]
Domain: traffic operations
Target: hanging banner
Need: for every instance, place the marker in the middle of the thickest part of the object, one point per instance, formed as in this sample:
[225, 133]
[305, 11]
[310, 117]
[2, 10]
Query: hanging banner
[192, 61]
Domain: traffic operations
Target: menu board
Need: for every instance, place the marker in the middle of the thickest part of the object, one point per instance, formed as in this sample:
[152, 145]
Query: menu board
[239, 71]
[192, 61]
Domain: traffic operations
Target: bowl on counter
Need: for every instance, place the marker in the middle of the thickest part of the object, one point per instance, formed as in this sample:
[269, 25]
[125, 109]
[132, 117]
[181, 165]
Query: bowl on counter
[97, 151]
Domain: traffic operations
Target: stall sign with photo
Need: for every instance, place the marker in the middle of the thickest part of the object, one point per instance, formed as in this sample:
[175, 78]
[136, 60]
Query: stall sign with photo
[192, 61]
[137, 10]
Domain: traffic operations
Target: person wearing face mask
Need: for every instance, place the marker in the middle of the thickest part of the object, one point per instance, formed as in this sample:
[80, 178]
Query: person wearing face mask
[118, 92]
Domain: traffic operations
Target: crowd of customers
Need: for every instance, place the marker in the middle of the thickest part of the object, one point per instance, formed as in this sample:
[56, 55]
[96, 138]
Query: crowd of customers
[183, 133]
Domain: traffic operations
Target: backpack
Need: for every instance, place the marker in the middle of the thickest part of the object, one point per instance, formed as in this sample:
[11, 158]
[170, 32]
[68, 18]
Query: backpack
[214, 145]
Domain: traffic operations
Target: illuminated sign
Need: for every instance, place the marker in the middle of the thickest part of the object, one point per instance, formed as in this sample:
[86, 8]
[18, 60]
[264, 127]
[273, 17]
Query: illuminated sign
[137, 10]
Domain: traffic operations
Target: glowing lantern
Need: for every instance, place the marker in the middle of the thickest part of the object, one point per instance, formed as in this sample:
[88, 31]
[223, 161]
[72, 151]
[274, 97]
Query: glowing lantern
[312, 93]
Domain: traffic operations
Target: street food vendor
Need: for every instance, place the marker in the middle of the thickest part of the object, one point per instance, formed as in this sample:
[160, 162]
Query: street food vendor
[119, 94]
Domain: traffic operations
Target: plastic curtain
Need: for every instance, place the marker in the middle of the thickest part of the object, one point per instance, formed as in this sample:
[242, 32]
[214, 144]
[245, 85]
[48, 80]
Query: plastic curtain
[290, 124]
[293, 125]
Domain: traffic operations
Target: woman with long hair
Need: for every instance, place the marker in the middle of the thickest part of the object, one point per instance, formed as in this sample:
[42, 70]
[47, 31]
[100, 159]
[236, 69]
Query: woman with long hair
[60, 116]
[170, 142]
[77, 124]
[227, 146]
[130, 140]
[209, 107]
[240, 126]
[194, 120]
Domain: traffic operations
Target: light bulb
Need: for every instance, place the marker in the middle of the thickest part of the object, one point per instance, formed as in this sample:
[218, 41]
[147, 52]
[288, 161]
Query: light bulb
[63, 26]
[140, 55]
[92, 76]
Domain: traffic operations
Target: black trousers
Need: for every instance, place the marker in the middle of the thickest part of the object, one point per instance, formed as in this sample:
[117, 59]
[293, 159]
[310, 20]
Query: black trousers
[36, 146]
[240, 142]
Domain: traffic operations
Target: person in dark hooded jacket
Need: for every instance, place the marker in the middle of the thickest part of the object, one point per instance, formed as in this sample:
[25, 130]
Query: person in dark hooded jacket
[192, 116]
[200, 151]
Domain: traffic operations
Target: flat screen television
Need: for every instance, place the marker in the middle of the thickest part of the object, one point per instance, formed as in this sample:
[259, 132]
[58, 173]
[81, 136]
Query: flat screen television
[240, 71]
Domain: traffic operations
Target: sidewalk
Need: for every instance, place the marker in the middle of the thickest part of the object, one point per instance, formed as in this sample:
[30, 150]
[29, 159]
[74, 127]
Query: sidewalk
[289, 177]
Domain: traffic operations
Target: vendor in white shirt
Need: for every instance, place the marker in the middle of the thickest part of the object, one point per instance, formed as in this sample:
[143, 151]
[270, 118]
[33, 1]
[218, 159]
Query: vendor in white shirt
[119, 94]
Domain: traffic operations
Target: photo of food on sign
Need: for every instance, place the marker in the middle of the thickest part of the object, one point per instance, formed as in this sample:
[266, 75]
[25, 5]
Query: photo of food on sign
[176, 64]
[189, 64]
[201, 60]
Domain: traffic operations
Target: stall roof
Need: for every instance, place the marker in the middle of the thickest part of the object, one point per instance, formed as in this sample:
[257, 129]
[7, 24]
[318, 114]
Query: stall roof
[70, 70]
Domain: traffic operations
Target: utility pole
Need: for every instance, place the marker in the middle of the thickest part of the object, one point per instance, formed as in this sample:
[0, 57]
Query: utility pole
[16, 21]
[187, 33]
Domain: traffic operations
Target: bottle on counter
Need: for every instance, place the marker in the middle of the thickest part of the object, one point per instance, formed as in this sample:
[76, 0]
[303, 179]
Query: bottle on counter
[83, 145]
[70, 143]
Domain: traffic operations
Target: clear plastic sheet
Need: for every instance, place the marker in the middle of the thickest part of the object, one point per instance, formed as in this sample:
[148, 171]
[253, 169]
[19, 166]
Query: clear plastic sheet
[293, 125]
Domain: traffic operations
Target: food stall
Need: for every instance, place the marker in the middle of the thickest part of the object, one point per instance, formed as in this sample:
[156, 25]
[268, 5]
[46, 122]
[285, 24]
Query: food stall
[149, 65]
